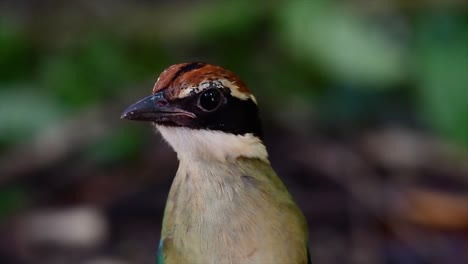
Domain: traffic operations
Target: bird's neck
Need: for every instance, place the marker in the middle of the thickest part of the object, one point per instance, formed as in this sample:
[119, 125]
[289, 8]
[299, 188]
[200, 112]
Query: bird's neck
[227, 203]
[228, 210]
[211, 201]
[203, 186]
[194, 145]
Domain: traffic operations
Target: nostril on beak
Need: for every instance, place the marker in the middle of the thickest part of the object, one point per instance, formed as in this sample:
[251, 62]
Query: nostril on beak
[161, 103]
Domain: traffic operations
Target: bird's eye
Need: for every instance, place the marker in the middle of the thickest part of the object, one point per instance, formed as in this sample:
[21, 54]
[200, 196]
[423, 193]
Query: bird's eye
[210, 100]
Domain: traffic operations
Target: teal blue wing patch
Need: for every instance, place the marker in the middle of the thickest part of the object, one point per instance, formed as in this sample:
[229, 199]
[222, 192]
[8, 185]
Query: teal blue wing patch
[160, 259]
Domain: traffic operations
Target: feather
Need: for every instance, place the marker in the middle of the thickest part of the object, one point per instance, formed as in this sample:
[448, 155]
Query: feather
[232, 212]
[160, 259]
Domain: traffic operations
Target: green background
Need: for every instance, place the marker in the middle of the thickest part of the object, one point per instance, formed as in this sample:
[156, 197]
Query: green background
[353, 95]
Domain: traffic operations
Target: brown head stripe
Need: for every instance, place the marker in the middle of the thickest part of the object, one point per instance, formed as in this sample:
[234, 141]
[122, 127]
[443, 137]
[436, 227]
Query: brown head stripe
[186, 75]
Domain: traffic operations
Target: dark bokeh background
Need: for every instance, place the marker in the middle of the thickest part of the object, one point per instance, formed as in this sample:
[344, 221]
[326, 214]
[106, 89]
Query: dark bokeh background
[364, 103]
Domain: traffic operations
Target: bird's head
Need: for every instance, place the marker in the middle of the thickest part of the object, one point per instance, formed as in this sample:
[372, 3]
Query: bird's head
[204, 112]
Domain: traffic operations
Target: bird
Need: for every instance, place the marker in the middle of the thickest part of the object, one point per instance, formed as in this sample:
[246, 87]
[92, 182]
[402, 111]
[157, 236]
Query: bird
[226, 203]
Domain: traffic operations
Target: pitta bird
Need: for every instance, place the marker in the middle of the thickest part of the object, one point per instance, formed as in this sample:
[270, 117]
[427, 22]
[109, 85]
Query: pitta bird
[226, 203]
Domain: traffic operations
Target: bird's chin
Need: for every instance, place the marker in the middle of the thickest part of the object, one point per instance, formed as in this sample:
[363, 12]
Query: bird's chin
[165, 124]
[174, 121]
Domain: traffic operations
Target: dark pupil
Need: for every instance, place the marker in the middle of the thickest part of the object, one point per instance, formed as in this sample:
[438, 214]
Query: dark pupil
[209, 100]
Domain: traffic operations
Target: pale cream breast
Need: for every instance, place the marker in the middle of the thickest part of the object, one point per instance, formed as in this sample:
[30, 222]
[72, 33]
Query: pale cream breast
[234, 214]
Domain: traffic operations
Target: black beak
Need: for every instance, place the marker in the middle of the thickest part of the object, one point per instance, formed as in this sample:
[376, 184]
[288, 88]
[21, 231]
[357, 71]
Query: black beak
[154, 108]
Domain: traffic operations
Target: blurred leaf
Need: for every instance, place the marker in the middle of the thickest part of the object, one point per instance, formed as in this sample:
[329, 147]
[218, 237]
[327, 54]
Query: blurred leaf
[144, 57]
[24, 111]
[341, 42]
[16, 53]
[11, 199]
[82, 75]
[349, 106]
[123, 144]
[205, 20]
[227, 17]
[442, 72]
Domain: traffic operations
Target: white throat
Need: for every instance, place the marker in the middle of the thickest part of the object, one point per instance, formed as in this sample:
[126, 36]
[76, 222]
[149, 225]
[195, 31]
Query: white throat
[200, 144]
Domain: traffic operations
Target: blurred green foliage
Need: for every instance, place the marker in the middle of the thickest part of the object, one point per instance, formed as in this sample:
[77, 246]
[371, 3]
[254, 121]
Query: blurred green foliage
[125, 144]
[344, 45]
[24, 111]
[17, 54]
[12, 198]
[341, 57]
[441, 71]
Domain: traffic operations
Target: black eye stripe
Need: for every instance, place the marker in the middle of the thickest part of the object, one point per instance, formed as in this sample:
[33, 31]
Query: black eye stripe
[233, 115]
